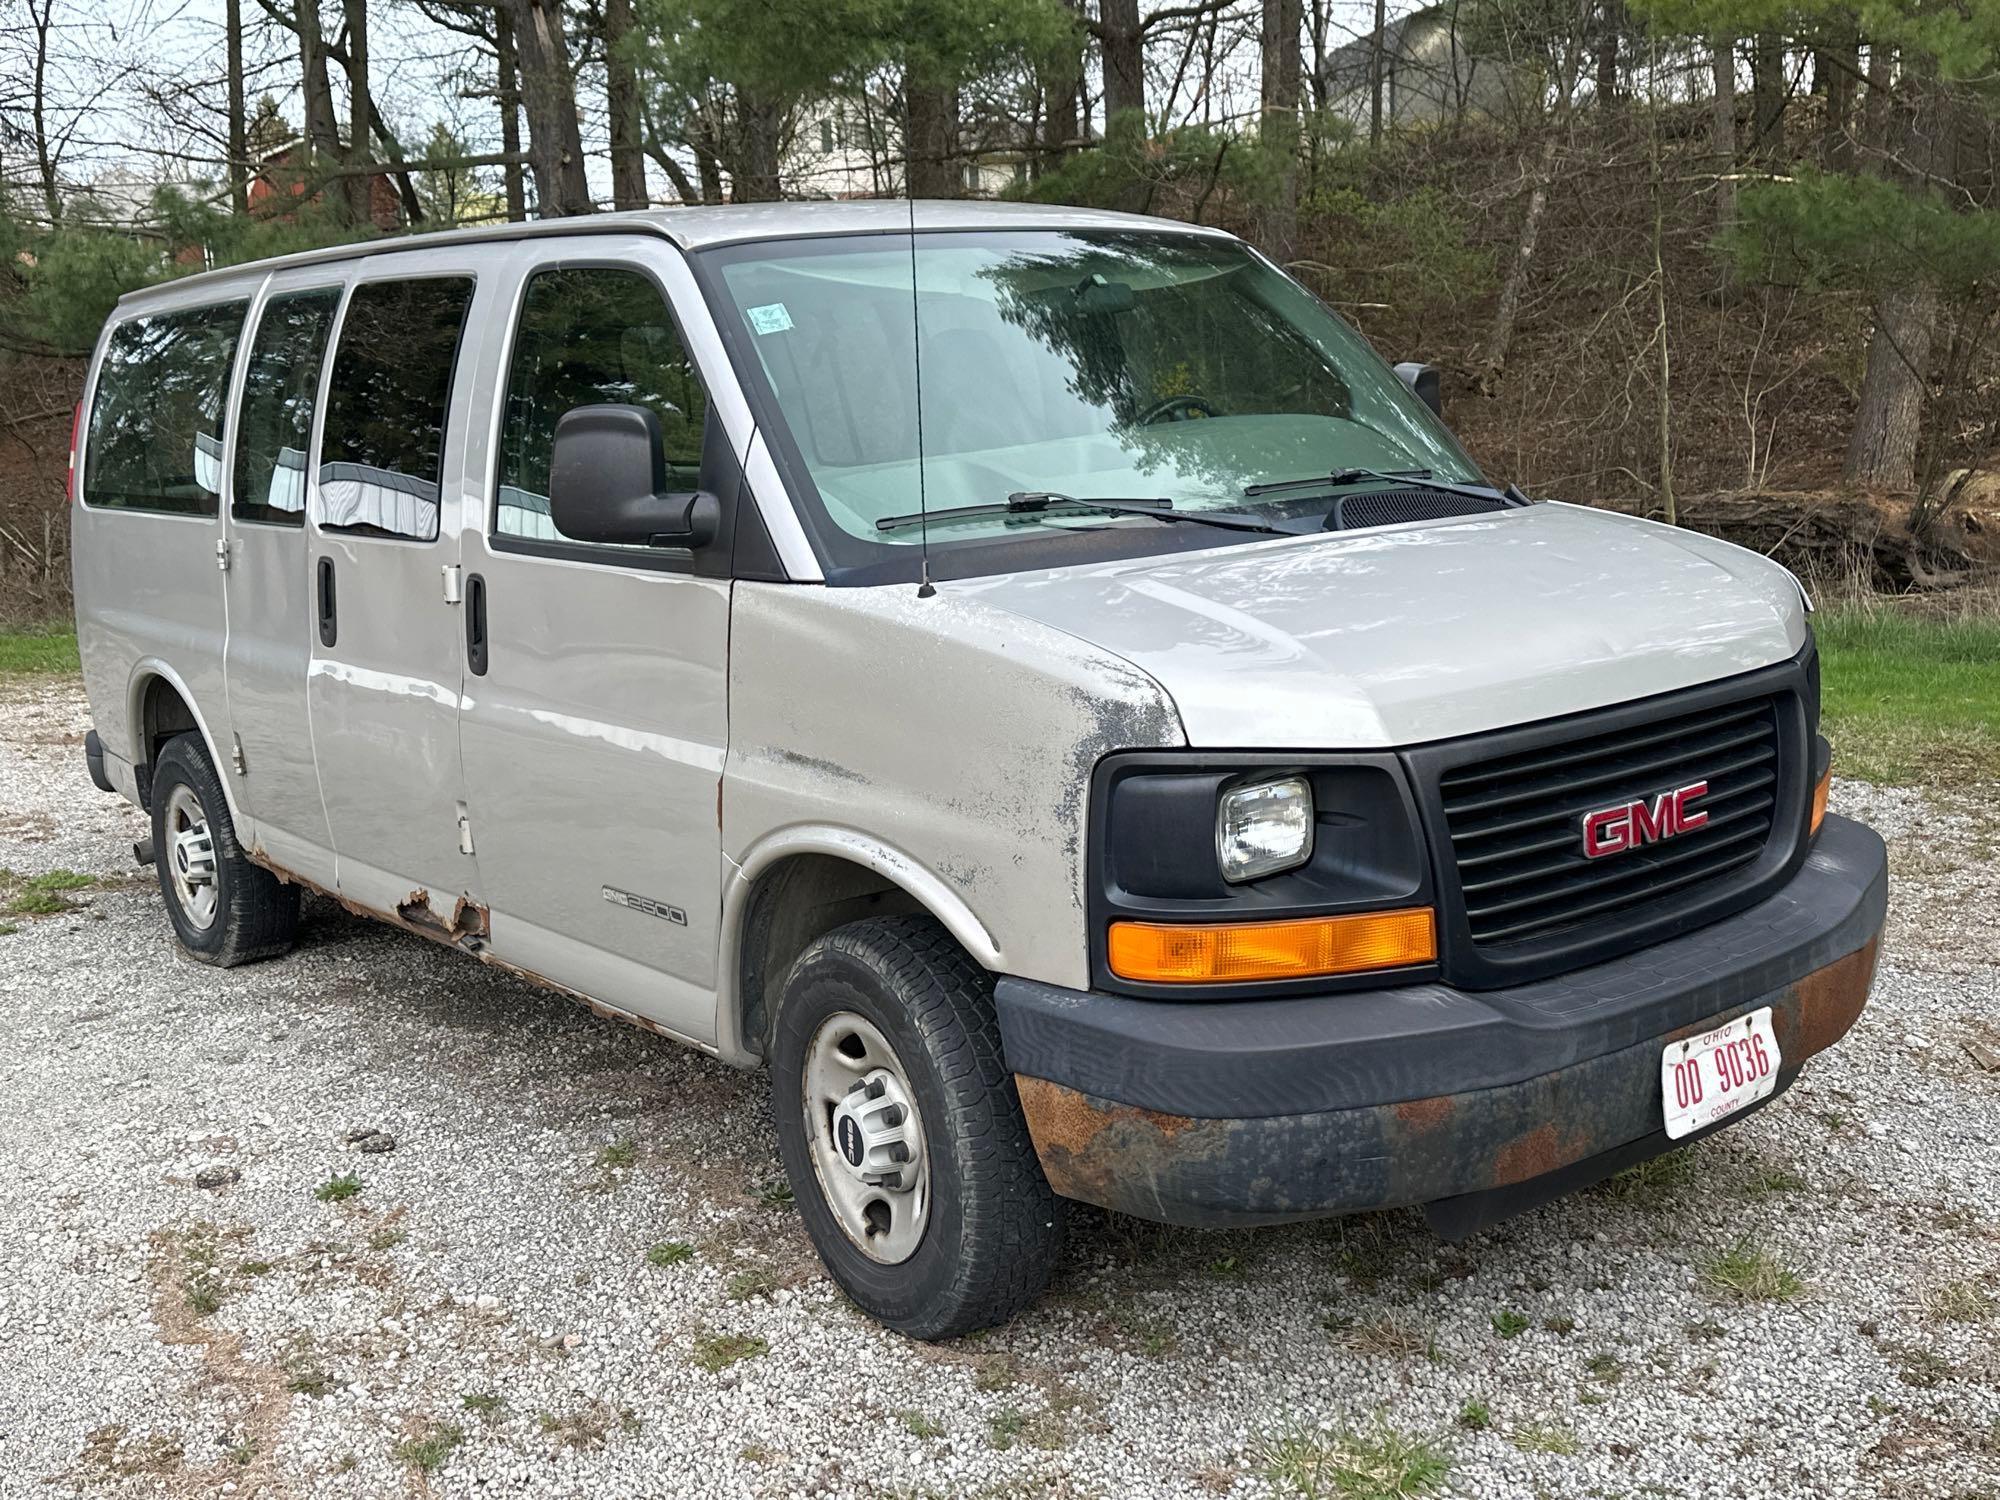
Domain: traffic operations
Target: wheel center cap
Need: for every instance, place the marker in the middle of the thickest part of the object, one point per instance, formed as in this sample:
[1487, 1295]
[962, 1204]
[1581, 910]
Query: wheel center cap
[875, 1131]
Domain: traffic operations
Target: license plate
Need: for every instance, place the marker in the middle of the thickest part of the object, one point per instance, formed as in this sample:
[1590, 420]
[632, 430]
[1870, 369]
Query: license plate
[1710, 1077]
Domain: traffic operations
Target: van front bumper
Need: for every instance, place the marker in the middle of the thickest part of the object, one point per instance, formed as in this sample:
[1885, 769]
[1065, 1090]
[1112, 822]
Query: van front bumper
[1475, 1104]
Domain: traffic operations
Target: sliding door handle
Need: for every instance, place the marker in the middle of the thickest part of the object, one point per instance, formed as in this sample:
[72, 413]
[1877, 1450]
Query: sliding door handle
[329, 618]
[475, 625]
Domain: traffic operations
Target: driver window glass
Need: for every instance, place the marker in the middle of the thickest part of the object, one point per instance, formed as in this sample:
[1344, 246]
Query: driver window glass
[589, 336]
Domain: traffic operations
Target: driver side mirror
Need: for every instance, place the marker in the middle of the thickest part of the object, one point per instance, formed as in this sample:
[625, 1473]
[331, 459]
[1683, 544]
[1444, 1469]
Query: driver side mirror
[1426, 382]
[608, 483]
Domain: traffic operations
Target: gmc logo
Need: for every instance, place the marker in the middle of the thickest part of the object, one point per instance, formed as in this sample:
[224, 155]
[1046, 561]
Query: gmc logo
[1643, 821]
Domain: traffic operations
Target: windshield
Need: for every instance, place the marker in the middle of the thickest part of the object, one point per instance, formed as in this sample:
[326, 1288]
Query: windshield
[1096, 365]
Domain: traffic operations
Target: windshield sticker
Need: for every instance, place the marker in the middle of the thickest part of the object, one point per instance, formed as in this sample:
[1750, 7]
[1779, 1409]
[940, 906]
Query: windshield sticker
[770, 318]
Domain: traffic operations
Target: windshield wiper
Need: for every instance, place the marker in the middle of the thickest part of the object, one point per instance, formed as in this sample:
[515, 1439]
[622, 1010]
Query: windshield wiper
[1035, 502]
[1340, 478]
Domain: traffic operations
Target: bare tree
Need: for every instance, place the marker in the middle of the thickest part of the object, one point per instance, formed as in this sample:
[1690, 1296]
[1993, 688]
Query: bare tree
[548, 97]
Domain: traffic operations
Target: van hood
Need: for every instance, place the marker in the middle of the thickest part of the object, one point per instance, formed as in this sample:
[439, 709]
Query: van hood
[1404, 635]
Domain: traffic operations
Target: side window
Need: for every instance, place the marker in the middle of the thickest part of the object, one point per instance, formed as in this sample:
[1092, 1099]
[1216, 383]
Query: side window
[381, 456]
[156, 425]
[274, 424]
[587, 336]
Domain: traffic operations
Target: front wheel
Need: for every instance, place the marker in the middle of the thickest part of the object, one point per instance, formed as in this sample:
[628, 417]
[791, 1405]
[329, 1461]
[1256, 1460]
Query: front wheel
[902, 1133]
[225, 910]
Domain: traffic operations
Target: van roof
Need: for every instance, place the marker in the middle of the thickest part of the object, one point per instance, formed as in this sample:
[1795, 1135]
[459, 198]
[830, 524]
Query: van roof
[696, 228]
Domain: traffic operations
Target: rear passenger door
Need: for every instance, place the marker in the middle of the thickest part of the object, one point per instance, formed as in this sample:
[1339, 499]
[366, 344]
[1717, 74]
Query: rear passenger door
[382, 529]
[596, 717]
[269, 575]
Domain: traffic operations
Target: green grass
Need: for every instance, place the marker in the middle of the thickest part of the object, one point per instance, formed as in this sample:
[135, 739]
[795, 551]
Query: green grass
[1537, 1439]
[1510, 1324]
[38, 652]
[669, 1253]
[43, 895]
[338, 1189]
[1909, 700]
[716, 1352]
[1751, 1273]
[1382, 1464]
[432, 1449]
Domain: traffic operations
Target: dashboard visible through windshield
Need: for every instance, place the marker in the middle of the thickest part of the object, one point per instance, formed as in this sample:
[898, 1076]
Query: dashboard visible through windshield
[1179, 370]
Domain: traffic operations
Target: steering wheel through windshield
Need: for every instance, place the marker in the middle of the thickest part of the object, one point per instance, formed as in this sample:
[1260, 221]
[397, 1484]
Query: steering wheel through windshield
[1175, 409]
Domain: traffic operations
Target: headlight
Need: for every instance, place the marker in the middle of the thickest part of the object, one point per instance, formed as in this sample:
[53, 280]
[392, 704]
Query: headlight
[1264, 828]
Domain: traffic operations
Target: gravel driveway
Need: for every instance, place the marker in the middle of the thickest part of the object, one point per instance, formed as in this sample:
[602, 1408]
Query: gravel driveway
[577, 1273]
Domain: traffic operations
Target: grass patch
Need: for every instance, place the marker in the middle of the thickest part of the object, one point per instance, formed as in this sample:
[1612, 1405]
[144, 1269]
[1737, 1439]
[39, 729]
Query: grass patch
[1475, 1416]
[1389, 1337]
[485, 1404]
[1751, 1273]
[1959, 1302]
[41, 895]
[308, 1380]
[669, 1253]
[752, 1282]
[777, 1193]
[617, 1155]
[1510, 1324]
[1533, 1439]
[44, 651]
[429, 1451]
[716, 1352]
[1908, 700]
[338, 1189]
[1653, 1183]
[387, 1239]
[1382, 1464]
[917, 1425]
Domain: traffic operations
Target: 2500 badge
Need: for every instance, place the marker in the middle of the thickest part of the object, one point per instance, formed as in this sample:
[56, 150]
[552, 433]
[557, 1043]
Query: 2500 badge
[646, 904]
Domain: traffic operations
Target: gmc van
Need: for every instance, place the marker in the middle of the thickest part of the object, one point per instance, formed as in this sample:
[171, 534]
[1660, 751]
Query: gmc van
[1032, 679]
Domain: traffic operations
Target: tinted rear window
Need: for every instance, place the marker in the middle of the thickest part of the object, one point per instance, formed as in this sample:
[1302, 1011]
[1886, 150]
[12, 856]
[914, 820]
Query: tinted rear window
[155, 438]
[382, 450]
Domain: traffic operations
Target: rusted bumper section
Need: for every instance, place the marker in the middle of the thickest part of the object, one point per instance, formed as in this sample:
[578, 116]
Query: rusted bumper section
[1485, 1145]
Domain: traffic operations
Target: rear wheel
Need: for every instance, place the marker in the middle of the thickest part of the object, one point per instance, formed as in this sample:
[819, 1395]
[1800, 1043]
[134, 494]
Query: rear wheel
[225, 910]
[902, 1134]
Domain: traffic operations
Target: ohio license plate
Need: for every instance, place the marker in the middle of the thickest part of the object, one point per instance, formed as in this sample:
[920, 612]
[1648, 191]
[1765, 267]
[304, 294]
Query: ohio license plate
[1710, 1077]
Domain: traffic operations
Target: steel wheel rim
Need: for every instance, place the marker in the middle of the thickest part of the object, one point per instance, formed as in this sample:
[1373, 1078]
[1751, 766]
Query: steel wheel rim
[190, 857]
[866, 1138]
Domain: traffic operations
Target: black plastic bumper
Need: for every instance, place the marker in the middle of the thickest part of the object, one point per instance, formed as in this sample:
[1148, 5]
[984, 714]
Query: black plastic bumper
[1476, 1103]
[93, 757]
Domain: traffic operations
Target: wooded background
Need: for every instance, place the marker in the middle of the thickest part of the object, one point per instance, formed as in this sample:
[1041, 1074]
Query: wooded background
[1734, 263]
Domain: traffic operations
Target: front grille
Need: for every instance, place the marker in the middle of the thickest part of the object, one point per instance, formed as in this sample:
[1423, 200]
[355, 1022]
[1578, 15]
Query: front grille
[1388, 507]
[1515, 822]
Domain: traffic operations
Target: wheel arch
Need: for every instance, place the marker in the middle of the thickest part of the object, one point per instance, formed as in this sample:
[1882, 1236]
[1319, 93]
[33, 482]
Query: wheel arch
[803, 882]
[158, 706]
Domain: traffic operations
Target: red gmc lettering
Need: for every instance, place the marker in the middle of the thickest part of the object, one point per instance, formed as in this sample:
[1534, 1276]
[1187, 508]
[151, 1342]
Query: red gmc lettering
[1642, 821]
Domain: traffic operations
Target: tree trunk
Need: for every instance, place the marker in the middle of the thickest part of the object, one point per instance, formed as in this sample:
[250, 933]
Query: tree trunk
[508, 94]
[1280, 124]
[322, 124]
[1501, 336]
[1882, 454]
[1767, 93]
[1722, 132]
[1377, 42]
[754, 176]
[45, 160]
[1876, 113]
[548, 97]
[621, 98]
[361, 186]
[1610, 31]
[927, 133]
[1123, 44]
[1834, 71]
[239, 130]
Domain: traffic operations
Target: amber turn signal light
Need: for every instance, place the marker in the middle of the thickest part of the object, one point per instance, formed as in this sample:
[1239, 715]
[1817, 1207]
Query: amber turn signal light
[1819, 799]
[1231, 953]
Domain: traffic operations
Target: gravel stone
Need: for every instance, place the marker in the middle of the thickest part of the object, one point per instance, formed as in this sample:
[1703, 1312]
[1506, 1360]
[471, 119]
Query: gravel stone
[498, 1284]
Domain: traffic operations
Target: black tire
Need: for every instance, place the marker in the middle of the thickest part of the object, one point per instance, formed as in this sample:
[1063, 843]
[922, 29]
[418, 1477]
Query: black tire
[256, 914]
[995, 1229]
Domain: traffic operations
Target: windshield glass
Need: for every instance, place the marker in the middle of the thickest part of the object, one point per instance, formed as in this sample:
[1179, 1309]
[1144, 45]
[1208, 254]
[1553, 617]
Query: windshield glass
[1097, 365]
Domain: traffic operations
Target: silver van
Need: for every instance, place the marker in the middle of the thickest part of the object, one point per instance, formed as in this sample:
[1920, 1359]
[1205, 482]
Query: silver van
[1033, 679]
